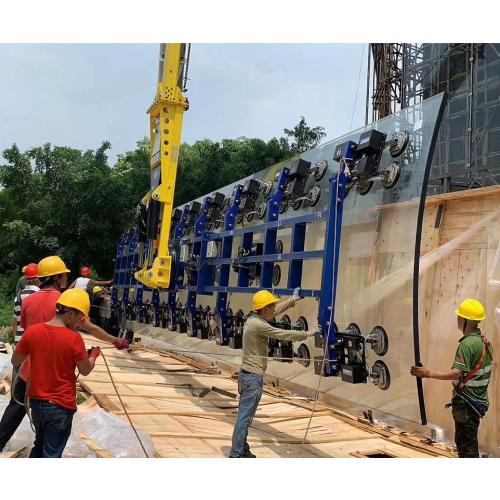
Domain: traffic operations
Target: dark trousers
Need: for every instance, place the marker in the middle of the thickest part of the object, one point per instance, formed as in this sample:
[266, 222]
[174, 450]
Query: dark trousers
[466, 429]
[53, 427]
[14, 413]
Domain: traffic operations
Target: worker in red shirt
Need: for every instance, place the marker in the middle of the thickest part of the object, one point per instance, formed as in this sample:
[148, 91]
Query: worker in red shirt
[55, 350]
[39, 307]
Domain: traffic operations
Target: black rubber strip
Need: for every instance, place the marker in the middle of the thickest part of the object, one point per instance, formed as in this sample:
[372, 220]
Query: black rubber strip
[416, 267]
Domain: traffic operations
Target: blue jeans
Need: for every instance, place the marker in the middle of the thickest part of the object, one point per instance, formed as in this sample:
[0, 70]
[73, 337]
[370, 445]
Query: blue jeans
[53, 427]
[250, 386]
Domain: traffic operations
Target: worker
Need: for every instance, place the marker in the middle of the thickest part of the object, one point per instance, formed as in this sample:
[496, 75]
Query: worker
[31, 286]
[471, 373]
[39, 307]
[21, 283]
[86, 283]
[55, 349]
[256, 334]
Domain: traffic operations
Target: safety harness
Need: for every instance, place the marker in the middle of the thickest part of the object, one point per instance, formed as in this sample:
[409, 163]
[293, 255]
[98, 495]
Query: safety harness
[479, 408]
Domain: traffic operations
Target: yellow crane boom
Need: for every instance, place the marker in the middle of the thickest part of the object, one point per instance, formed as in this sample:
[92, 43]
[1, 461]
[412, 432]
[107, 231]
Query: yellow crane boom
[165, 121]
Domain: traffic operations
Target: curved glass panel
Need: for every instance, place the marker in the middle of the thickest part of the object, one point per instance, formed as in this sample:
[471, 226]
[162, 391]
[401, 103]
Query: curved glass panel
[375, 280]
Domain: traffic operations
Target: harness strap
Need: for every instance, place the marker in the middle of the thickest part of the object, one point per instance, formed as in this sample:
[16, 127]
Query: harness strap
[477, 366]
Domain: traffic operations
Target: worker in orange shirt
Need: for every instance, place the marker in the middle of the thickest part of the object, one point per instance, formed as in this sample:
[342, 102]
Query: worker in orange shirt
[56, 349]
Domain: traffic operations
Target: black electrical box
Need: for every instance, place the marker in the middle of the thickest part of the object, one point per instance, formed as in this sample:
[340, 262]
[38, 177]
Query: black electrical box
[251, 187]
[354, 374]
[202, 333]
[194, 210]
[176, 216]
[367, 167]
[299, 168]
[284, 351]
[236, 342]
[371, 142]
[295, 187]
[249, 194]
[217, 200]
[346, 150]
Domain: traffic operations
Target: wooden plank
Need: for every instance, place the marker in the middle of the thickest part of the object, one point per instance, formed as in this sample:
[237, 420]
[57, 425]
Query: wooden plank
[95, 448]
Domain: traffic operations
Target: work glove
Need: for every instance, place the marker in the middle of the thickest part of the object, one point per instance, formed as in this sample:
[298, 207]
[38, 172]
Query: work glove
[420, 371]
[318, 330]
[95, 352]
[296, 294]
[121, 344]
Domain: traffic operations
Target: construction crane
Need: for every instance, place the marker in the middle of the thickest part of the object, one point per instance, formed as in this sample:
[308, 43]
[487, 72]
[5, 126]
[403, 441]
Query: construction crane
[155, 209]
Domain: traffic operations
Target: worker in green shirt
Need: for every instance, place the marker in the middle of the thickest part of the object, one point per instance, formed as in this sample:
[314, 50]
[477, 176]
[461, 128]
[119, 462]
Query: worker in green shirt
[471, 374]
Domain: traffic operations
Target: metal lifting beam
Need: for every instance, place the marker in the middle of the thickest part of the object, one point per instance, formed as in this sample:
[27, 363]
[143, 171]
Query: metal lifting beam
[165, 118]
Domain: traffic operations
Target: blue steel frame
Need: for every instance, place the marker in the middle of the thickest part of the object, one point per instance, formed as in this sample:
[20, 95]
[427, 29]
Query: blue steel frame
[225, 268]
[202, 272]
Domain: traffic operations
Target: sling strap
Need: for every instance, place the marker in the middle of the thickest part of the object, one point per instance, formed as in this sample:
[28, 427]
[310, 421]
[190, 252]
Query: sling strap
[477, 366]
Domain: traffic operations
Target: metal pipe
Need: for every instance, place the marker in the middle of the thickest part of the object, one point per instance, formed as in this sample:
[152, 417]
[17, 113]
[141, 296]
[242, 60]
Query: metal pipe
[368, 84]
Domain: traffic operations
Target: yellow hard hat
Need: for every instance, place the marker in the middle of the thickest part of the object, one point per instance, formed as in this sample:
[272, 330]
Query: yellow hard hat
[471, 309]
[262, 299]
[97, 289]
[76, 298]
[50, 266]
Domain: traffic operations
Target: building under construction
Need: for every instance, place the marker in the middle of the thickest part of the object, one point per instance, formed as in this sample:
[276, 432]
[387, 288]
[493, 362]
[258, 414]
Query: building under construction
[467, 152]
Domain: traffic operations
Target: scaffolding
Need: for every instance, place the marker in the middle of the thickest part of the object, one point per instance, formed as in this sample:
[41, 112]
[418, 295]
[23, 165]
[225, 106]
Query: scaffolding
[467, 153]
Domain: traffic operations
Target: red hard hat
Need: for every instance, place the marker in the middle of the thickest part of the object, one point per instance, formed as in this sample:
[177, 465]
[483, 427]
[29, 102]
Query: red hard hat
[31, 271]
[85, 271]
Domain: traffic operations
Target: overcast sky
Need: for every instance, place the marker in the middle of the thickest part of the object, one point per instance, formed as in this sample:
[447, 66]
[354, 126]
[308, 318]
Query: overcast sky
[80, 95]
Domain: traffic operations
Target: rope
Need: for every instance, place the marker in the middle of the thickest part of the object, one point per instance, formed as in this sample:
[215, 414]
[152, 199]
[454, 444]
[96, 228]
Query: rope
[357, 86]
[325, 351]
[123, 406]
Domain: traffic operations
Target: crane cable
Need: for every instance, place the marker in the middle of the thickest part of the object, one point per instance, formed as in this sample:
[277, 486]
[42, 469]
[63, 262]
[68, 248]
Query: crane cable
[325, 350]
[123, 406]
[357, 86]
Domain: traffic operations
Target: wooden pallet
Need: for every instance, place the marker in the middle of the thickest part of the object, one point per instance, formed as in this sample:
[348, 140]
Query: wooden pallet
[189, 407]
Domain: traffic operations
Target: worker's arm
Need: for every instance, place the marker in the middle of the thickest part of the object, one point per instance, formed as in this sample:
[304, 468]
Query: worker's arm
[97, 332]
[421, 372]
[72, 285]
[22, 349]
[277, 333]
[17, 311]
[288, 303]
[99, 283]
[14, 326]
[87, 365]
[17, 358]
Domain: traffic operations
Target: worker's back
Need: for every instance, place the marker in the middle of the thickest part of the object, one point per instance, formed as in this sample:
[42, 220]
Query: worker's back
[469, 353]
[82, 283]
[255, 345]
[54, 352]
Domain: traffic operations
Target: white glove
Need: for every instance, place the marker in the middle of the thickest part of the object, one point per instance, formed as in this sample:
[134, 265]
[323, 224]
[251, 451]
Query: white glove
[317, 330]
[296, 294]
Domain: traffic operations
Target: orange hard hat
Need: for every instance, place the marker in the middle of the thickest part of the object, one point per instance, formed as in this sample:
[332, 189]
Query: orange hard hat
[31, 271]
[85, 271]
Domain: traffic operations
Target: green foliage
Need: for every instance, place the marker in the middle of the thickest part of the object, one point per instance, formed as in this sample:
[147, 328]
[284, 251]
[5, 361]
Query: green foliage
[206, 165]
[70, 202]
[60, 200]
[304, 137]
[7, 287]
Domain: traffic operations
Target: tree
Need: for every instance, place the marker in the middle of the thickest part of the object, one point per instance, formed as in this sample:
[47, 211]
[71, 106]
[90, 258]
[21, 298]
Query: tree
[61, 200]
[304, 137]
